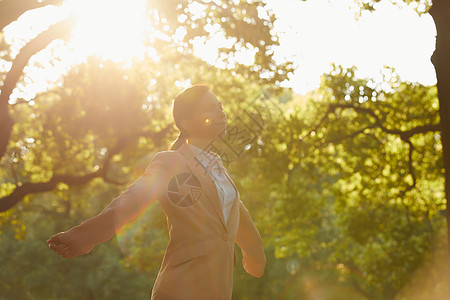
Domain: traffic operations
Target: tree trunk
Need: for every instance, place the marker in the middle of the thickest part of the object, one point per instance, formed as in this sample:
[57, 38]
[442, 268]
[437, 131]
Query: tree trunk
[440, 11]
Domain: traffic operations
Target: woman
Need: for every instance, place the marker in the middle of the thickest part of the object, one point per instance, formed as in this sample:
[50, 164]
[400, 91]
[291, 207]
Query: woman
[205, 216]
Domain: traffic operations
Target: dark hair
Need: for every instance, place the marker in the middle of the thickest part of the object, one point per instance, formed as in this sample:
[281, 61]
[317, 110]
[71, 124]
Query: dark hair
[183, 107]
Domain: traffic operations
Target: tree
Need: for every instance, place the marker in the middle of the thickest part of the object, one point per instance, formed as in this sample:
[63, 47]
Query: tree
[352, 184]
[63, 124]
[246, 24]
[10, 11]
[440, 11]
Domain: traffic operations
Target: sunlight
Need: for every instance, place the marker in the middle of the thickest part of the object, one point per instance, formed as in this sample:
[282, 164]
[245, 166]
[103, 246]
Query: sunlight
[112, 29]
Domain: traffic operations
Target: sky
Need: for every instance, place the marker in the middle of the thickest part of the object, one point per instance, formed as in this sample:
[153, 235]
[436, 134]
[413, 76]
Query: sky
[316, 33]
[313, 34]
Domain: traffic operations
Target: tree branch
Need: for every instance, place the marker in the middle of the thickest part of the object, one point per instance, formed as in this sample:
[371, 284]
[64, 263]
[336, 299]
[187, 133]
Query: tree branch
[11, 10]
[9, 201]
[352, 135]
[404, 135]
[60, 30]
[21, 191]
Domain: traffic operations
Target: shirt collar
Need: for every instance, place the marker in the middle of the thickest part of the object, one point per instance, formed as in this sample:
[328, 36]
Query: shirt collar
[202, 155]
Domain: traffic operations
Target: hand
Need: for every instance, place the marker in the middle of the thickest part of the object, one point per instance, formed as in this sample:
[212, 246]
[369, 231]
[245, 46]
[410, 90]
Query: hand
[59, 247]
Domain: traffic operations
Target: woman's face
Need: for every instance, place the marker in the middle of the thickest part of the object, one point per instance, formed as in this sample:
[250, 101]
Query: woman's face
[208, 120]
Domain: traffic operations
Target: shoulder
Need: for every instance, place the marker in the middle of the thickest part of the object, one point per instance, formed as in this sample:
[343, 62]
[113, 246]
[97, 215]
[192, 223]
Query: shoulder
[160, 160]
[165, 156]
[169, 162]
[162, 155]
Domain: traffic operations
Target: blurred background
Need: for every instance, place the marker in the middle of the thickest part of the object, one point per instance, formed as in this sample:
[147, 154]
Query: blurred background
[333, 140]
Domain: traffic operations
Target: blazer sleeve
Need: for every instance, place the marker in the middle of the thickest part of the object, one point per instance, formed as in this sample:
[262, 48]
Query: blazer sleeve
[250, 242]
[125, 208]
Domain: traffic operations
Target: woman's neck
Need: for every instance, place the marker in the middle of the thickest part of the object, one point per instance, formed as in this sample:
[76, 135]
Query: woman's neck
[201, 143]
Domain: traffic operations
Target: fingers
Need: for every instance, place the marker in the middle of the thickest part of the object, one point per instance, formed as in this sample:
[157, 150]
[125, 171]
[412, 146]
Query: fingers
[59, 247]
[54, 239]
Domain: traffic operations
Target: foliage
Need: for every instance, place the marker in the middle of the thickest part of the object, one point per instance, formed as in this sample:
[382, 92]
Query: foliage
[330, 188]
[358, 184]
[345, 184]
[29, 272]
[133, 100]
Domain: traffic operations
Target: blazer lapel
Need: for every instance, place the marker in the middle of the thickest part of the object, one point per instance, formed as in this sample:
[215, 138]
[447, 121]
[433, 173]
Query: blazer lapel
[206, 181]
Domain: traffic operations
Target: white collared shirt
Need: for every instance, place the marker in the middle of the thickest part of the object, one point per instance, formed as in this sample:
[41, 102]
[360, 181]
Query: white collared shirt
[213, 163]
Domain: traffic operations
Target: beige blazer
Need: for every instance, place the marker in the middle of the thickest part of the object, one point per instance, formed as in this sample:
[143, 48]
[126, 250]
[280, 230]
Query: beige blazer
[200, 256]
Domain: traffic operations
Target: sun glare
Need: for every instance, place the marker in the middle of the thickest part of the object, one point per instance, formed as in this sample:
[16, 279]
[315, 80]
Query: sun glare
[112, 29]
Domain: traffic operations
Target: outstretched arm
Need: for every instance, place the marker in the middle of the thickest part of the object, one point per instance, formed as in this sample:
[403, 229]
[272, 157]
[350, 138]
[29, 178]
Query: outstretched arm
[249, 240]
[123, 209]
